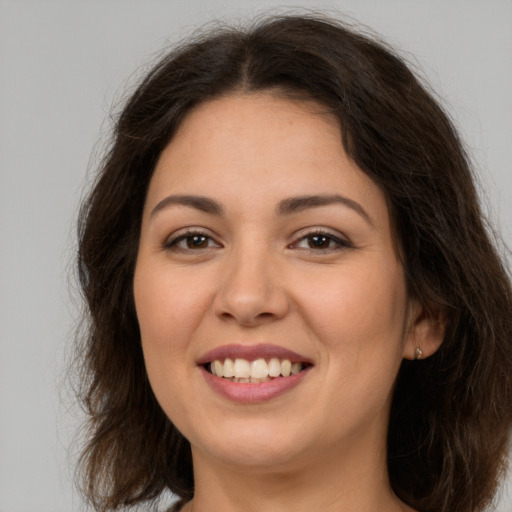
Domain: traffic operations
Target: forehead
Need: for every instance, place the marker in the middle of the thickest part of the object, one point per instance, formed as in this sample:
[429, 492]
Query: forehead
[260, 148]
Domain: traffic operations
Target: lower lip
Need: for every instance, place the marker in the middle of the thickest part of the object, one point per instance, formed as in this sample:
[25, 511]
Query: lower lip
[251, 393]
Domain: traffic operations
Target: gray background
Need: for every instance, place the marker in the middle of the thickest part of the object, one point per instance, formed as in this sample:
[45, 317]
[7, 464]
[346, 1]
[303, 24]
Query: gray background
[62, 65]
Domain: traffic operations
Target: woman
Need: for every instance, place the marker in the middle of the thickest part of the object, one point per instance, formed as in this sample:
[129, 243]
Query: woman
[294, 301]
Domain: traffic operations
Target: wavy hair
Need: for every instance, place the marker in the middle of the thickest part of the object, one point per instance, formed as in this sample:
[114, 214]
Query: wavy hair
[451, 414]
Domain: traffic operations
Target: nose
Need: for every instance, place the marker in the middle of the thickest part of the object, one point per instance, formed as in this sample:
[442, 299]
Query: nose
[251, 290]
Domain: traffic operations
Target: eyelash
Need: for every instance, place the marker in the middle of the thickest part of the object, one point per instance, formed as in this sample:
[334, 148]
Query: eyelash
[172, 244]
[340, 243]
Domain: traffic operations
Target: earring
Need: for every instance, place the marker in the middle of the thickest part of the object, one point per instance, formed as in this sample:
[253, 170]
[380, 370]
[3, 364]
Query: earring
[418, 353]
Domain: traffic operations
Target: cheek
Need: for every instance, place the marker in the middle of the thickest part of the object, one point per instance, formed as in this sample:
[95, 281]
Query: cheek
[358, 316]
[359, 311]
[167, 313]
[169, 306]
[360, 320]
[163, 327]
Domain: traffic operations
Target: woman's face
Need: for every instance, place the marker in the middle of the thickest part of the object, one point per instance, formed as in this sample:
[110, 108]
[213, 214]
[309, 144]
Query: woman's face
[264, 244]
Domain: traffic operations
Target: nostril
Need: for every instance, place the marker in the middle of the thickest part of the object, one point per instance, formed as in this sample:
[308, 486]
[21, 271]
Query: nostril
[247, 318]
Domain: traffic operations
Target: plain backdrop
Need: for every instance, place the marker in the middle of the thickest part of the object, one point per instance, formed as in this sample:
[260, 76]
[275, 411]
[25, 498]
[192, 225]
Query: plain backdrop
[62, 66]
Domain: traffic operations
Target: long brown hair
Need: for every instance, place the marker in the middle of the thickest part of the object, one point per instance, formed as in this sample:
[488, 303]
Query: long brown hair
[451, 414]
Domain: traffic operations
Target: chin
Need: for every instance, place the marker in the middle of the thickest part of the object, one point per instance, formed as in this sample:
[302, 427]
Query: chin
[255, 446]
[257, 457]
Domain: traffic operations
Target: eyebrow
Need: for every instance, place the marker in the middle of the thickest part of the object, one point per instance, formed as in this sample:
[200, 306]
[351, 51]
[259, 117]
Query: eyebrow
[287, 206]
[201, 203]
[301, 203]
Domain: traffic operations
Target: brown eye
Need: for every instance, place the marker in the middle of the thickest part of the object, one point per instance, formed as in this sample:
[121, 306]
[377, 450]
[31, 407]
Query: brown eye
[319, 242]
[191, 241]
[196, 242]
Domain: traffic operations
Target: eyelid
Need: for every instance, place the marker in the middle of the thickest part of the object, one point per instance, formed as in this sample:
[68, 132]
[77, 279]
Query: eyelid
[339, 239]
[342, 241]
[171, 241]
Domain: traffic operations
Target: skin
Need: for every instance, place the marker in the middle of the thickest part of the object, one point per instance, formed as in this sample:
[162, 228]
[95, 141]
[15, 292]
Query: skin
[257, 277]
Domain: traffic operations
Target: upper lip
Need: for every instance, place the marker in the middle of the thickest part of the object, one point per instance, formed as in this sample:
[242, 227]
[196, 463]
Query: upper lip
[251, 352]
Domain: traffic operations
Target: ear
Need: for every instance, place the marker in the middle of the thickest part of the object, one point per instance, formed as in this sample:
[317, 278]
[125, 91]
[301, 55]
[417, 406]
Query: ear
[425, 331]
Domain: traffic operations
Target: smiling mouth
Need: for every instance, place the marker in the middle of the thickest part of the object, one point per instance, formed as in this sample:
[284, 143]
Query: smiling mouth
[256, 371]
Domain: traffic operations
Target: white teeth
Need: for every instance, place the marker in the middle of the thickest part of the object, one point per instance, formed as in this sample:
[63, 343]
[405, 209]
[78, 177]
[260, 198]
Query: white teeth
[296, 368]
[250, 380]
[274, 367]
[228, 370]
[258, 370]
[242, 369]
[286, 367]
[219, 368]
